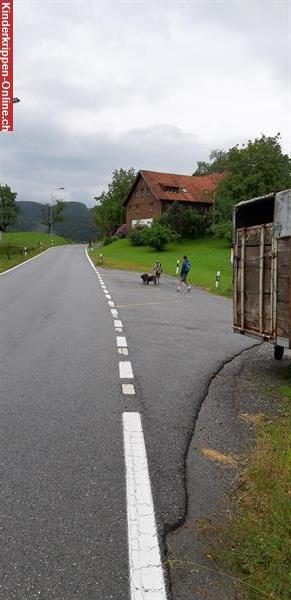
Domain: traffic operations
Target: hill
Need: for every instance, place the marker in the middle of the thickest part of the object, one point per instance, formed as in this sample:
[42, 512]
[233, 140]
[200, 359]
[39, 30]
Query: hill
[77, 225]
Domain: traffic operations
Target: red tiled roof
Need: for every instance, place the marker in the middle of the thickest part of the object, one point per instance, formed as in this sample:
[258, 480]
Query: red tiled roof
[199, 188]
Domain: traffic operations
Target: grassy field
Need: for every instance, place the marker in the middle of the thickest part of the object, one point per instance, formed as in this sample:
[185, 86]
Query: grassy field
[12, 247]
[258, 544]
[206, 256]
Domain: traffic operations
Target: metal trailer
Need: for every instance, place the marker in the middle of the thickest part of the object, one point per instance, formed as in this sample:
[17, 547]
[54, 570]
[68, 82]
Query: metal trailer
[262, 269]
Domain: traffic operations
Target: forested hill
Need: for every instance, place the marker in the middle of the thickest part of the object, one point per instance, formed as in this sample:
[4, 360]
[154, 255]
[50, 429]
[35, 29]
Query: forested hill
[77, 224]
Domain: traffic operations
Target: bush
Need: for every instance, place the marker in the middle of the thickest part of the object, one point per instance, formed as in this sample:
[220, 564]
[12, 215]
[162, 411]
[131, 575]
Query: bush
[136, 236]
[109, 240]
[223, 230]
[122, 231]
[157, 236]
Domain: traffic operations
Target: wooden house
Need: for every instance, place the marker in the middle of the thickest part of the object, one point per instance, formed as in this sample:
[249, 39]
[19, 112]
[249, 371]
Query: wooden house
[152, 193]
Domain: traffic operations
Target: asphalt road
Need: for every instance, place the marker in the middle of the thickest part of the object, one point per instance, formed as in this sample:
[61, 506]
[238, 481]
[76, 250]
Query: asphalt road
[63, 493]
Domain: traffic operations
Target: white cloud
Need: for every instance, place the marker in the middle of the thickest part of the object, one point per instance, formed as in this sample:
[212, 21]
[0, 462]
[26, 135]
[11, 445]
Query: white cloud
[151, 85]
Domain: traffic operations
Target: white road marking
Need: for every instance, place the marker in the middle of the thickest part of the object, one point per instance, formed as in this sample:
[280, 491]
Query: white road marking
[128, 389]
[24, 262]
[108, 296]
[111, 303]
[125, 370]
[118, 329]
[121, 341]
[118, 323]
[145, 565]
[146, 571]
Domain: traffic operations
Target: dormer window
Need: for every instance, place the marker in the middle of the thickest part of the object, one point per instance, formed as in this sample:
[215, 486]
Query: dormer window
[172, 189]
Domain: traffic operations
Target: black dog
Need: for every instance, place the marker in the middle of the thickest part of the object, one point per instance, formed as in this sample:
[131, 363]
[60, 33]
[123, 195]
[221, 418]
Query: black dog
[149, 278]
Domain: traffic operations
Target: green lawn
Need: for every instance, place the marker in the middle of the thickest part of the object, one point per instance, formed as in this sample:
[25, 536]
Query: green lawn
[12, 245]
[206, 256]
[31, 238]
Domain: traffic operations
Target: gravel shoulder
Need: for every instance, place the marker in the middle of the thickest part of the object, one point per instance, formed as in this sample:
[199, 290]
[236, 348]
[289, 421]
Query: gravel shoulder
[223, 435]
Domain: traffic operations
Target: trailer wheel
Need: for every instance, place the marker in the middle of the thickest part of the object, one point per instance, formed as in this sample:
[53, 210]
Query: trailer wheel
[278, 352]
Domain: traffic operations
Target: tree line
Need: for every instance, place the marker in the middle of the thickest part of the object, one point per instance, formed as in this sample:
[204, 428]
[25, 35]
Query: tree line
[72, 220]
[9, 210]
[252, 169]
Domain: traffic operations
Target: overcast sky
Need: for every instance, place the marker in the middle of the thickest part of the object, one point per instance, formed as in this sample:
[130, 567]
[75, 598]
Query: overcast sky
[153, 85]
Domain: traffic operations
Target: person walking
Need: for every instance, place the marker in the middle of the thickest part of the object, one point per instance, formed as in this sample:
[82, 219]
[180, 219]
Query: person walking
[186, 266]
[158, 270]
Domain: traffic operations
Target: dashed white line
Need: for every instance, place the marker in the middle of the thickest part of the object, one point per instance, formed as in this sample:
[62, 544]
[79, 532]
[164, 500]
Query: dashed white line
[125, 370]
[146, 571]
[128, 389]
[118, 323]
[145, 565]
[111, 303]
[121, 341]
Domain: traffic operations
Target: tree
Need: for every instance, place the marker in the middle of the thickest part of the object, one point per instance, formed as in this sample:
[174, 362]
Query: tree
[255, 169]
[110, 209]
[53, 214]
[187, 222]
[218, 161]
[8, 207]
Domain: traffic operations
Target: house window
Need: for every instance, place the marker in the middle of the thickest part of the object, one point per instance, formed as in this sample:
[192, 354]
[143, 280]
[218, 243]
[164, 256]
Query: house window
[129, 210]
[136, 193]
[137, 208]
[148, 192]
[142, 192]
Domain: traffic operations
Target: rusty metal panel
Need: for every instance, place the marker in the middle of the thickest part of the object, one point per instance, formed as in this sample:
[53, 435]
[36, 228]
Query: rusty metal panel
[262, 294]
[284, 289]
[282, 214]
[253, 303]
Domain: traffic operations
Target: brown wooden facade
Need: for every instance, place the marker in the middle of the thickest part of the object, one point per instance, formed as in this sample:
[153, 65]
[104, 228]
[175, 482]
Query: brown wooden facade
[141, 204]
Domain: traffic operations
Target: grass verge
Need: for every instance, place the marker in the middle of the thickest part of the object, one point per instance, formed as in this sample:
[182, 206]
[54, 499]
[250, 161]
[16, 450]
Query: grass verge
[258, 540]
[206, 256]
[12, 247]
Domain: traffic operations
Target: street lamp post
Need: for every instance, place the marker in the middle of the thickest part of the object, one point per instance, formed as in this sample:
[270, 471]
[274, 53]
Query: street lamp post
[51, 208]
